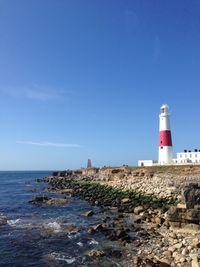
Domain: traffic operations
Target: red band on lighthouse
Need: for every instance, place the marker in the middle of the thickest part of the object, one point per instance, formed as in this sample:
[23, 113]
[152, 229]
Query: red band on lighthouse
[165, 138]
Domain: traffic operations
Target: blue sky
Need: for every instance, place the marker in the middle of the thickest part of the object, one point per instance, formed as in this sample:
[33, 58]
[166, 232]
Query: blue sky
[85, 79]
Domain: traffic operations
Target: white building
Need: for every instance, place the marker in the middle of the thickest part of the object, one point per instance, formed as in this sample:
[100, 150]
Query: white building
[187, 157]
[150, 162]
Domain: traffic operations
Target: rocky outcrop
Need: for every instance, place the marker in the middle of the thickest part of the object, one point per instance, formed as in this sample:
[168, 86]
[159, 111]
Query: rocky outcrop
[162, 181]
[191, 196]
[188, 217]
[48, 200]
[184, 218]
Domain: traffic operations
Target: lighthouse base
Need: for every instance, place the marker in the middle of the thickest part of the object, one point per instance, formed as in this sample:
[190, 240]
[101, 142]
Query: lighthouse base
[165, 155]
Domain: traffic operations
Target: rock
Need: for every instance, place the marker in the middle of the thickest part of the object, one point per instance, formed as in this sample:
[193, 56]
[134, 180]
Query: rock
[91, 231]
[98, 227]
[167, 253]
[138, 209]
[135, 261]
[3, 220]
[195, 243]
[157, 220]
[115, 253]
[138, 218]
[96, 253]
[66, 190]
[121, 233]
[191, 195]
[69, 228]
[173, 235]
[39, 200]
[137, 243]
[181, 206]
[88, 213]
[125, 200]
[184, 218]
[185, 251]
[172, 249]
[178, 245]
[194, 258]
[57, 201]
[182, 259]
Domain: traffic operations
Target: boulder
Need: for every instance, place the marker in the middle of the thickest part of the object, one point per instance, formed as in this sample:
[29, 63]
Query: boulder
[69, 228]
[114, 253]
[96, 253]
[189, 219]
[48, 200]
[195, 262]
[57, 201]
[3, 220]
[88, 213]
[191, 195]
[138, 209]
[125, 200]
[195, 243]
[39, 200]
[91, 231]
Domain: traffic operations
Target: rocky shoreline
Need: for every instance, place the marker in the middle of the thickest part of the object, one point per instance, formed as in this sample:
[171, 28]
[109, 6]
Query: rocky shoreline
[142, 215]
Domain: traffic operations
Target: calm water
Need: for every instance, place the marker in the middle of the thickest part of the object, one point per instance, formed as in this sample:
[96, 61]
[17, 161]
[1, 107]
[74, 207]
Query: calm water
[33, 235]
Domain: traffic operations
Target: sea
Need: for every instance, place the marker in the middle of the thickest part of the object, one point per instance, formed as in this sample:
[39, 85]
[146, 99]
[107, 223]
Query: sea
[34, 234]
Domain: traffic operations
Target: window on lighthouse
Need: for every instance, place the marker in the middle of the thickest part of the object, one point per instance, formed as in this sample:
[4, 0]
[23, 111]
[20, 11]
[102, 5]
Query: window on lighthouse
[163, 110]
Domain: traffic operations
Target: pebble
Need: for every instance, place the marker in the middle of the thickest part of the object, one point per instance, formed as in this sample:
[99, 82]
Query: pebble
[167, 253]
[185, 251]
[178, 245]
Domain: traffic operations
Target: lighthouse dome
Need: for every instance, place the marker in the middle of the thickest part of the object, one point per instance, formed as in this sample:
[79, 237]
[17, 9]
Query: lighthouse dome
[164, 109]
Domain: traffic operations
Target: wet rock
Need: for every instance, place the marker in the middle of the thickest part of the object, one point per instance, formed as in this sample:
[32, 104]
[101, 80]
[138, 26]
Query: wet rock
[122, 235]
[96, 253]
[70, 228]
[65, 190]
[88, 213]
[135, 261]
[114, 253]
[99, 227]
[3, 220]
[39, 200]
[91, 231]
[48, 200]
[57, 201]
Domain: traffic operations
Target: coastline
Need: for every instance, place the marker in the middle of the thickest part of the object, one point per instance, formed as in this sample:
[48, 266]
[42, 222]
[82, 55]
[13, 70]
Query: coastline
[147, 207]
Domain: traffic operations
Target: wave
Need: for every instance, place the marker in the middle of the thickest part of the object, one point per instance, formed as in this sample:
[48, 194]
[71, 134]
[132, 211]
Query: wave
[62, 257]
[93, 242]
[15, 222]
[54, 226]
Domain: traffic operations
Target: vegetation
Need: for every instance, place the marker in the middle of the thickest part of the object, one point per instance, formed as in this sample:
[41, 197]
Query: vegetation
[104, 195]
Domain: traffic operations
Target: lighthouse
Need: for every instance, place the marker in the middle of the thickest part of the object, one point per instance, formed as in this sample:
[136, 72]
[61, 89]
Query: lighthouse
[165, 154]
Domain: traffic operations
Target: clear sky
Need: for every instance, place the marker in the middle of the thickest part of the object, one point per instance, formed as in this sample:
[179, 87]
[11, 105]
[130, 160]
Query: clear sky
[85, 79]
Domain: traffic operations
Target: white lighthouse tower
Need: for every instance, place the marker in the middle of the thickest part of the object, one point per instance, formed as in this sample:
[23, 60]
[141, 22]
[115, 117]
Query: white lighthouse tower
[165, 154]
